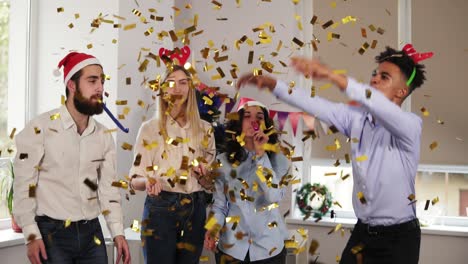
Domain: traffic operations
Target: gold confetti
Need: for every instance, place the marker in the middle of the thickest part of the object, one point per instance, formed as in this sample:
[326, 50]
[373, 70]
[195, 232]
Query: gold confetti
[23, 156]
[363, 33]
[327, 24]
[368, 93]
[314, 244]
[12, 133]
[89, 46]
[424, 111]
[272, 225]
[433, 145]
[435, 200]
[93, 186]
[110, 130]
[298, 42]
[204, 258]
[55, 116]
[373, 44]
[105, 212]
[97, 241]
[361, 197]
[381, 31]
[32, 190]
[250, 58]
[120, 184]
[127, 146]
[358, 248]
[70, 25]
[348, 160]
[60, 9]
[361, 158]
[345, 177]
[135, 226]
[363, 48]
[336, 228]
[130, 26]
[67, 223]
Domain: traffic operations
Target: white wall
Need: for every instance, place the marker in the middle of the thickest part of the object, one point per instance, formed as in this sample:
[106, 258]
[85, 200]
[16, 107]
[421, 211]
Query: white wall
[53, 39]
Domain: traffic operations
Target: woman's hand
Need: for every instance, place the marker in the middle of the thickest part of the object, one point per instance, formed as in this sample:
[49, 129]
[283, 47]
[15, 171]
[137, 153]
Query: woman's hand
[211, 242]
[153, 186]
[259, 139]
[204, 176]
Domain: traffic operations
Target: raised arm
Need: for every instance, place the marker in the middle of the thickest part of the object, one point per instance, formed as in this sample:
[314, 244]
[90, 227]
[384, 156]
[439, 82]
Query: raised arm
[336, 114]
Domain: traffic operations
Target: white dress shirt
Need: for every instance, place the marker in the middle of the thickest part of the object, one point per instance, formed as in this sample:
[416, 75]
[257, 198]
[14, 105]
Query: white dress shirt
[54, 158]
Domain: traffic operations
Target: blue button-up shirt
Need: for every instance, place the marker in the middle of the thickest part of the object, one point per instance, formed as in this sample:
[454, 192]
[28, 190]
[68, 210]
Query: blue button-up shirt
[260, 230]
[388, 136]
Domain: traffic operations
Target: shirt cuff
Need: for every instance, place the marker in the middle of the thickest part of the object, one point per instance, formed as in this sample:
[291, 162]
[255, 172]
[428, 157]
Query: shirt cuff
[355, 90]
[281, 89]
[30, 230]
[116, 229]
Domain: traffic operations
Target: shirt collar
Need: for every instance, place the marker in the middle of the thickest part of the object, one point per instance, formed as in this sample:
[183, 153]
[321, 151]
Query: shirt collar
[172, 122]
[68, 122]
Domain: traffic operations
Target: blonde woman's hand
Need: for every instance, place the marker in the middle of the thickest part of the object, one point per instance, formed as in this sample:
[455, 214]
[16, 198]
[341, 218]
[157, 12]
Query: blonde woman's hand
[153, 186]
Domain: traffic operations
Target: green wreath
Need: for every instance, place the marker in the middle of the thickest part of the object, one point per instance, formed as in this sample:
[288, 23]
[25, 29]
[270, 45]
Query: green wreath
[307, 193]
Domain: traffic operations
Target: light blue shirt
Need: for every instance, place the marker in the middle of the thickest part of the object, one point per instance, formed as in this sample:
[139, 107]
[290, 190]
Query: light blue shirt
[387, 136]
[263, 229]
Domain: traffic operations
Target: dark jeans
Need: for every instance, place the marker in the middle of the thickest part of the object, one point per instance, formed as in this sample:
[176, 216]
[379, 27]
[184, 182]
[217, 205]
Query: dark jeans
[227, 259]
[393, 244]
[173, 228]
[73, 244]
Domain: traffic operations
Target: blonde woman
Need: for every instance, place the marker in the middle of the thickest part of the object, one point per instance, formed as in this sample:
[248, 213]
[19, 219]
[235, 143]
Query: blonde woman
[172, 154]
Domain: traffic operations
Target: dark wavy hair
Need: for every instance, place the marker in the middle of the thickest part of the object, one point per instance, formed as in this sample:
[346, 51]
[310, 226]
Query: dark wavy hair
[406, 65]
[230, 144]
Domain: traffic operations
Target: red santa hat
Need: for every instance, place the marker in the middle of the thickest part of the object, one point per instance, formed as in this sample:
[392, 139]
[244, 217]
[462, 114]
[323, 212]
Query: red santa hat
[245, 101]
[74, 62]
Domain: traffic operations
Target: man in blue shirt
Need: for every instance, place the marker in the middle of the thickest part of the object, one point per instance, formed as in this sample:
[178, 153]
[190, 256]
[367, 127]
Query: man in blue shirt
[385, 156]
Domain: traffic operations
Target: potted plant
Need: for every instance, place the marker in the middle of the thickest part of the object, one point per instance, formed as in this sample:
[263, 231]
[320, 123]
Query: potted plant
[14, 226]
[7, 176]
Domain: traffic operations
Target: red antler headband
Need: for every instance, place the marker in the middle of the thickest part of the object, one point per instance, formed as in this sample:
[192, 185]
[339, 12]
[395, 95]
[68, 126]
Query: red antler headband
[417, 57]
[181, 55]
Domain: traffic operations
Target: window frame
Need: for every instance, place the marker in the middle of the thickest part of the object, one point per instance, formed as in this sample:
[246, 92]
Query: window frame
[23, 14]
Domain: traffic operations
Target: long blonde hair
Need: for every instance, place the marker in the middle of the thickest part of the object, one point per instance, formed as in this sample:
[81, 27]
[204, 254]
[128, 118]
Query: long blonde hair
[191, 110]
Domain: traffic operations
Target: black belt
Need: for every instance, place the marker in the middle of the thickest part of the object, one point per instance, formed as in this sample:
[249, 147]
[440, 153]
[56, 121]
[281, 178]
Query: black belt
[180, 196]
[45, 218]
[374, 230]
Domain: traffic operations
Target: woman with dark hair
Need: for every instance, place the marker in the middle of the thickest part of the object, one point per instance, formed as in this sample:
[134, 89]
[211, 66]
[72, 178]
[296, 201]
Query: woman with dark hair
[172, 154]
[245, 215]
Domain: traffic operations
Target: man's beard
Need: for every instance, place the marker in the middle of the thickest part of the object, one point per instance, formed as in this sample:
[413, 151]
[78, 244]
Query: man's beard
[85, 105]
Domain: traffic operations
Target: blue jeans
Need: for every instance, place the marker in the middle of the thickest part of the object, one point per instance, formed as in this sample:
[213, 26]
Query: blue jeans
[173, 227]
[73, 244]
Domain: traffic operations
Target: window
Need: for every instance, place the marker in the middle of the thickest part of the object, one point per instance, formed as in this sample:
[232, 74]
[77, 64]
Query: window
[15, 17]
[441, 191]
[5, 141]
